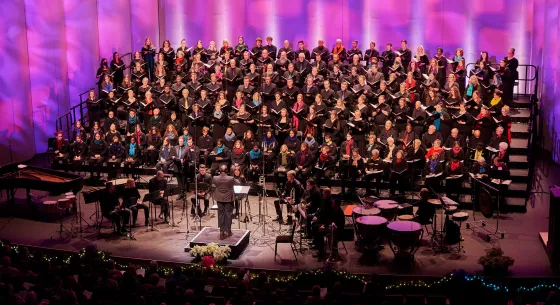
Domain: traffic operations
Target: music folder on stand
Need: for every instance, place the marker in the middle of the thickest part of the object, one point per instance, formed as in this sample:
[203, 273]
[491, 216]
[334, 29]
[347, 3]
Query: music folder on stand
[242, 192]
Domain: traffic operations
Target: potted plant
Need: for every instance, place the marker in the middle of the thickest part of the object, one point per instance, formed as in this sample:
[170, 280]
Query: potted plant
[213, 250]
[495, 262]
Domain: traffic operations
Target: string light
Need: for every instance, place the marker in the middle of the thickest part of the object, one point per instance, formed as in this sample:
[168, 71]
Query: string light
[226, 272]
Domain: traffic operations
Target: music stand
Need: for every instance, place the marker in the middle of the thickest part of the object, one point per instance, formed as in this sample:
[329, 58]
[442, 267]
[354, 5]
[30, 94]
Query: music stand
[172, 192]
[243, 192]
[198, 187]
[481, 224]
[150, 197]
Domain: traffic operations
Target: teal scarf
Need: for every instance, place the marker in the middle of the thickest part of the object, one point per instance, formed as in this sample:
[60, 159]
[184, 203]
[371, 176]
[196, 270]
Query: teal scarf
[254, 154]
[220, 149]
[132, 149]
[470, 90]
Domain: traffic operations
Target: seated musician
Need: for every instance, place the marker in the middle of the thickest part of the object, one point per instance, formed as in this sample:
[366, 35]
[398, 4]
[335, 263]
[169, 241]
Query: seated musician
[433, 168]
[303, 161]
[112, 209]
[157, 186]
[115, 154]
[132, 153]
[292, 187]
[154, 143]
[239, 179]
[453, 182]
[321, 221]
[311, 201]
[426, 210]
[375, 169]
[284, 163]
[201, 177]
[97, 153]
[60, 148]
[78, 150]
[398, 176]
[221, 156]
[131, 201]
[238, 156]
[165, 158]
[254, 169]
[324, 168]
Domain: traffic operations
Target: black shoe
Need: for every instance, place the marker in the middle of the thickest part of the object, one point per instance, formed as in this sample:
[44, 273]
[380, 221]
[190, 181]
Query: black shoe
[319, 255]
[279, 219]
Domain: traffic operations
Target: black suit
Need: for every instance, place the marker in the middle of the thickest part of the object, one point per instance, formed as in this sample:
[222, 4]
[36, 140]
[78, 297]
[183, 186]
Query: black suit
[154, 186]
[207, 179]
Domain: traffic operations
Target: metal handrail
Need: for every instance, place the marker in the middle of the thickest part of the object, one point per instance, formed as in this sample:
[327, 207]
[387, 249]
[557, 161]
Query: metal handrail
[527, 79]
[78, 112]
[533, 133]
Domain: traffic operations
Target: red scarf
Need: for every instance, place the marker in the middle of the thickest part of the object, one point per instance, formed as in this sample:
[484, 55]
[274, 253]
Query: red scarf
[337, 50]
[59, 144]
[349, 145]
[456, 150]
[297, 107]
[323, 157]
[455, 165]
[138, 134]
[501, 154]
[302, 157]
[480, 115]
[148, 102]
[405, 140]
[398, 160]
[239, 151]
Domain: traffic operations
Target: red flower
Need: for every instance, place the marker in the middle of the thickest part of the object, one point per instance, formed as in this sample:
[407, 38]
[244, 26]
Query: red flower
[208, 262]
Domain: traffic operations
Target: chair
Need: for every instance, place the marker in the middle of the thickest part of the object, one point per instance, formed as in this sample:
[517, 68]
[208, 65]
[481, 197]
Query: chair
[286, 239]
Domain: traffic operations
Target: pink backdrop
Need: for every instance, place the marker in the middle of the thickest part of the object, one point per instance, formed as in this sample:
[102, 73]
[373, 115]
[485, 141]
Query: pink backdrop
[52, 47]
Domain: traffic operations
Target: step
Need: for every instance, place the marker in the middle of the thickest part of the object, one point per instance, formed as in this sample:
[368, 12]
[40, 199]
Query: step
[522, 116]
[518, 162]
[520, 130]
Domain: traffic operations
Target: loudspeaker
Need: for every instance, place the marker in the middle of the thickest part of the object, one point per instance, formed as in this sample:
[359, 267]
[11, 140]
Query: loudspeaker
[553, 244]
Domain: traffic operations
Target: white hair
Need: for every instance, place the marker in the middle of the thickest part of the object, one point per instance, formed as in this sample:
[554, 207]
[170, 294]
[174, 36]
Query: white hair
[503, 146]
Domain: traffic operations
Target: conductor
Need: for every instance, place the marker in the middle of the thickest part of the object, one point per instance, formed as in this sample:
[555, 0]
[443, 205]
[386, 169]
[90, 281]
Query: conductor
[223, 194]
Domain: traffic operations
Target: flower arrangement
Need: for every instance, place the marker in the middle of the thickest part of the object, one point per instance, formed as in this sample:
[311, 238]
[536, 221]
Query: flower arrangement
[495, 262]
[219, 253]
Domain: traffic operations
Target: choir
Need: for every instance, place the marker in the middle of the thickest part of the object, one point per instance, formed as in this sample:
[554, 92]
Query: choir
[372, 115]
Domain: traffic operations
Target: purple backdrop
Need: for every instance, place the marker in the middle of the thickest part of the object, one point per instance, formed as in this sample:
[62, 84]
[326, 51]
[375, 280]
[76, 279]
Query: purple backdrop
[52, 48]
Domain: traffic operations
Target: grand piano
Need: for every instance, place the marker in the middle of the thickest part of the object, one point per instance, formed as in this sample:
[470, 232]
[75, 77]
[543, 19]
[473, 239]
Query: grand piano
[14, 176]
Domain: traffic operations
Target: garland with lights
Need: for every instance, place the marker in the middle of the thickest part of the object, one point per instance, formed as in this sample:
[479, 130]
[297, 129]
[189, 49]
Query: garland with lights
[228, 272]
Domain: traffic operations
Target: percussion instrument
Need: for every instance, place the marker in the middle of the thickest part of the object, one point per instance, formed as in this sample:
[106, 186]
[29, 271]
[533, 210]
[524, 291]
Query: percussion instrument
[361, 210]
[388, 208]
[460, 216]
[405, 217]
[49, 207]
[404, 237]
[435, 202]
[64, 203]
[368, 201]
[72, 199]
[370, 229]
[69, 194]
[485, 202]
[450, 210]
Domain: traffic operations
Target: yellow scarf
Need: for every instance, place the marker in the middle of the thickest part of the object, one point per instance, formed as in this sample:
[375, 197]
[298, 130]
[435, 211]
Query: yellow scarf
[495, 101]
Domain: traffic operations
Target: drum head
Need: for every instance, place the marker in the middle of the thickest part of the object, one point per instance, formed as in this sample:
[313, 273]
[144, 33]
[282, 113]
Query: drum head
[486, 203]
[460, 216]
[365, 210]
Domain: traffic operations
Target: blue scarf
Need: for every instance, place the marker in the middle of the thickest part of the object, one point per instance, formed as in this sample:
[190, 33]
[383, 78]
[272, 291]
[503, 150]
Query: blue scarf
[457, 58]
[292, 139]
[268, 141]
[256, 103]
[97, 142]
[433, 165]
[78, 131]
[132, 149]
[254, 154]
[165, 152]
[482, 170]
[186, 137]
[132, 120]
[115, 146]
[310, 143]
[108, 87]
[220, 149]
[437, 121]
[470, 90]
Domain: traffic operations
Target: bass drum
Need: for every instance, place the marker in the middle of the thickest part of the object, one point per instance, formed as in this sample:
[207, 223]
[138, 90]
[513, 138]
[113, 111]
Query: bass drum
[485, 202]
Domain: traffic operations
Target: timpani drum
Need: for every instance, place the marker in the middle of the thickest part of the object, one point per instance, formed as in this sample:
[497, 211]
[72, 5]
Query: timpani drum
[388, 208]
[69, 194]
[450, 210]
[404, 237]
[64, 203]
[362, 210]
[460, 216]
[72, 199]
[405, 217]
[49, 207]
[370, 229]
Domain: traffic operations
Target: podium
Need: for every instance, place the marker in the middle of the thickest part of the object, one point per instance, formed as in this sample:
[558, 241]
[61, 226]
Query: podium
[551, 239]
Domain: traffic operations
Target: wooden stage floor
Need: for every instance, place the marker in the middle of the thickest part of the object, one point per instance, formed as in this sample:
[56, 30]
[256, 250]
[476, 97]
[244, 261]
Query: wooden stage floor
[22, 225]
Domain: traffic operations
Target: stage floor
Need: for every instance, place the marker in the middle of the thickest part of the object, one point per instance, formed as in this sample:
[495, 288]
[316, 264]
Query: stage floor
[167, 243]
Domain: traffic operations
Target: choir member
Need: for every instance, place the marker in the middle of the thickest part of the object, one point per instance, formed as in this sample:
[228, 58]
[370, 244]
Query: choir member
[302, 50]
[290, 54]
[101, 71]
[97, 153]
[78, 150]
[454, 177]
[148, 53]
[272, 49]
[404, 53]
[338, 50]
[398, 175]
[117, 68]
[221, 156]
[165, 159]
[94, 107]
[168, 53]
[421, 59]
[432, 171]
[60, 148]
[371, 52]
[388, 59]
[321, 50]
[325, 166]
[154, 142]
